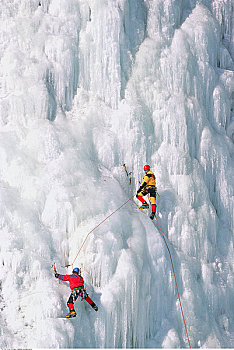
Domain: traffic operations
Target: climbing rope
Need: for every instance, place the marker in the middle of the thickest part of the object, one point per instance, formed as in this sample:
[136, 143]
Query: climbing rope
[173, 270]
[97, 227]
[175, 280]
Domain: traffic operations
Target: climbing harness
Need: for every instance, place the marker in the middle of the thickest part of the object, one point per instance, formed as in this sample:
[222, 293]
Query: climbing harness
[79, 292]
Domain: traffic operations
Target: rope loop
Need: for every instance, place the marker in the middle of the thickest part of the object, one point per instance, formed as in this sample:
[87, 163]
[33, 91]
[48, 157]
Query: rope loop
[97, 227]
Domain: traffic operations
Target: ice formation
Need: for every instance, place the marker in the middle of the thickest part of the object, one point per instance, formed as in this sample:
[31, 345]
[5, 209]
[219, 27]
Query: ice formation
[87, 86]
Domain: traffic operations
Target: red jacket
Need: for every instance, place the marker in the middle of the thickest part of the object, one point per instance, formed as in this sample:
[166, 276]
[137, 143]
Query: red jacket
[74, 280]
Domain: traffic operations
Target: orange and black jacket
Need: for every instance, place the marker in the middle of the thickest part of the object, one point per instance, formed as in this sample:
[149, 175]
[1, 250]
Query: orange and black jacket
[148, 181]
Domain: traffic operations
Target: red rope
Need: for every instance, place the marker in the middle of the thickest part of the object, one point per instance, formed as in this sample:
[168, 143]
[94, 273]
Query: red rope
[175, 281]
[97, 227]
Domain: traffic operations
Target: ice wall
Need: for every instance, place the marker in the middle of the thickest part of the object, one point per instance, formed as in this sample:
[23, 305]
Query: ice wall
[85, 87]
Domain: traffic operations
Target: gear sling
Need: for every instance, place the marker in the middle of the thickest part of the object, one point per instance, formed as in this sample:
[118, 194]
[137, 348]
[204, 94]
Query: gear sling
[79, 292]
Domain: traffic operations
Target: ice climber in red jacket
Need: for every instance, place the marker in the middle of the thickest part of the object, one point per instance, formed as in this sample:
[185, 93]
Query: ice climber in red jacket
[76, 283]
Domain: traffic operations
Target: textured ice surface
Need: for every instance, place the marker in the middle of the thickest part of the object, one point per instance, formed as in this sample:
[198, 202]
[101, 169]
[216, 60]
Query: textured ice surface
[87, 86]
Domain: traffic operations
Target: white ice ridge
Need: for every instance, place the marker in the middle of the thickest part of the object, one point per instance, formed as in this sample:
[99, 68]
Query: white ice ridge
[85, 87]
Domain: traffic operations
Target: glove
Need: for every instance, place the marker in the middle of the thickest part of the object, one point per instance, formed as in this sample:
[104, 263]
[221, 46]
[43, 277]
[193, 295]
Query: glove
[56, 275]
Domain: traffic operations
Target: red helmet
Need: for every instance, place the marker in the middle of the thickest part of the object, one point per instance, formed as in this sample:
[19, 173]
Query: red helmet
[146, 167]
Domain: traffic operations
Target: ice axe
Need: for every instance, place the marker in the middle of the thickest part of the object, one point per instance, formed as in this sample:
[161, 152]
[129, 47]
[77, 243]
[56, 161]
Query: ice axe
[55, 271]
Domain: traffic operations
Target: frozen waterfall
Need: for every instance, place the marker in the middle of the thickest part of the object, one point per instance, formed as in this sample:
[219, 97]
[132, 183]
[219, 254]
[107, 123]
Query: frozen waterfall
[87, 86]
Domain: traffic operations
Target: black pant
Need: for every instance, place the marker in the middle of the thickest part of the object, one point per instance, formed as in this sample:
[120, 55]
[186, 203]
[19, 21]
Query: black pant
[150, 190]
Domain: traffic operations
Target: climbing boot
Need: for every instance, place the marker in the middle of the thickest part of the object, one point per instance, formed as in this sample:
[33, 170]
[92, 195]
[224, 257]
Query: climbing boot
[72, 313]
[145, 205]
[152, 216]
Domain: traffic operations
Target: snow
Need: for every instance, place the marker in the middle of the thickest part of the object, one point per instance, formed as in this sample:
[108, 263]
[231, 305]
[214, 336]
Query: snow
[87, 86]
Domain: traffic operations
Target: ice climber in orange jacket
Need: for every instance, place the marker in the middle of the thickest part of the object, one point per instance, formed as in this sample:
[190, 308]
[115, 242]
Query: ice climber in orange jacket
[148, 185]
